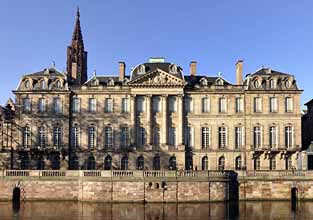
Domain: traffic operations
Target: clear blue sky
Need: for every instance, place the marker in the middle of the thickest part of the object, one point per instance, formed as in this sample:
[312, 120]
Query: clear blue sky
[273, 33]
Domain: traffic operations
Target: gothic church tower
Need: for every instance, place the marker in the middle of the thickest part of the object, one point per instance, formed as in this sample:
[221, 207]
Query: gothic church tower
[76, 65]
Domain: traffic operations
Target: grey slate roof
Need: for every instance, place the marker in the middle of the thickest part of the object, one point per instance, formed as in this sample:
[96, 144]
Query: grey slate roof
[269, 72]
[47, 72]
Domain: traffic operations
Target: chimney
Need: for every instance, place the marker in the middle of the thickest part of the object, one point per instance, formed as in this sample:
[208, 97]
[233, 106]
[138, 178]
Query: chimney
[193, 68]
[121, 70]
[239, 72]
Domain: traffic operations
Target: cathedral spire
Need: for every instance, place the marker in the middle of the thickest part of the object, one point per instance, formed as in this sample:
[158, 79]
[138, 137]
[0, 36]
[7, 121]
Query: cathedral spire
[76, 65]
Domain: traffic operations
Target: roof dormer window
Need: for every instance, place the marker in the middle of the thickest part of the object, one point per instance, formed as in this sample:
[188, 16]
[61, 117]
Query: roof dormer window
[288, 83]
[58, 84]
[27, 84]
[203, 82]
[272, 84]
[173, 68]
[111, 82]
[220, 82]
[257, 84]
[142, 69]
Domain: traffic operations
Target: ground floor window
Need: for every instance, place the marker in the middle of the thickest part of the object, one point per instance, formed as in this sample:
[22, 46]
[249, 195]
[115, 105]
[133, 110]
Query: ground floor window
[91, 163]
[205, 163]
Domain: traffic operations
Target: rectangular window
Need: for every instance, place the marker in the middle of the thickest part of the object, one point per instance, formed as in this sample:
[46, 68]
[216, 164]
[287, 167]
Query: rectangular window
[75, 137]
[92, 105]
[238, 137]
[222, 137]
[189, 137]
[289, 137]
[172, 104]
[156, 136]
[76, 105]
[108, 137]
[289, 104]
[273, 137]
[222, 105]
[272, 163]
[57, 105]
[140, 104]
[258, 104]
[57, 137]
[91, 137]
[205, 137]
[26, 137]
[26, 105]
[108, 105]
[156, 104]
[124, 137]
[188, 105]
[257, 137]
[239, 105]
[205, 105]
[42, 105]
[172, 136]
[125, 105]
[41, 137]
[273, 104]
[142, 137]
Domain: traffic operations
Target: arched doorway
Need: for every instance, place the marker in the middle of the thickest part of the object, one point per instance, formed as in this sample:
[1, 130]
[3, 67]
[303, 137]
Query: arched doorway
[140, 163]
[156, 163]
[108, 163]
[124, 163]
[16, 194]
[91, 163]
[172, 163]
[40, 163]
[55, 162]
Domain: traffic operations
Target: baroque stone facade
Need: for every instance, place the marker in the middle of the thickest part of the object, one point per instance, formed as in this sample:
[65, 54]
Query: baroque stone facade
[155, 117]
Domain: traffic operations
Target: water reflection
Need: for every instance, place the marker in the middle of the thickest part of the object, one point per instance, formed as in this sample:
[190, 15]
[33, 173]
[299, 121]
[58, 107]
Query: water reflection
[183, 211]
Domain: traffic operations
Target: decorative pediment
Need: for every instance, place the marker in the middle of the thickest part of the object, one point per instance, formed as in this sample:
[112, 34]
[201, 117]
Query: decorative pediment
[158, 78]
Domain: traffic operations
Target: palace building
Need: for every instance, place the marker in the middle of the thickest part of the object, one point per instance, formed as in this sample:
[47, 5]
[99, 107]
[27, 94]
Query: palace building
[155, 117]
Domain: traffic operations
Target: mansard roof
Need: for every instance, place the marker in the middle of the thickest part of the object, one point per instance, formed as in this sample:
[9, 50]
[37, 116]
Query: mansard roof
[105, 80]
[194, 80]
[269, 72]
[46, 72]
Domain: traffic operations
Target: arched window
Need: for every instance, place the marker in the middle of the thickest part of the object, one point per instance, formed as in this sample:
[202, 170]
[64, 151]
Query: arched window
[272, 163]
[238, 163]
[140, 163]
[221, 163]
[257, 163]
[172, 163]
[25, 161]
[55, 162]
[40, 163]
[257, 83]
[108, 163]
[75, 163]
[58, 84]
[42, 84]
[288, 163]
[124, 163]
[27, 84]
[91, 163]
[205, 163]
[288, 83]
[189, 161]
[156, 163]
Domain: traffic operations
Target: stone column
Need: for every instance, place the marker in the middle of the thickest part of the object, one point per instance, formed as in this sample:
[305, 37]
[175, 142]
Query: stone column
[148, 109]
[164, 120]
[133, 125]
[180, 122]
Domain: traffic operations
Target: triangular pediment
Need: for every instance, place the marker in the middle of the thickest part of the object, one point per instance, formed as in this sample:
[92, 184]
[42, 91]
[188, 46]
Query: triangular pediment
[158, 78]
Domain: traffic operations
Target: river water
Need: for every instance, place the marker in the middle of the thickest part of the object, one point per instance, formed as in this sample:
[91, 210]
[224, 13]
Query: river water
[63, 210]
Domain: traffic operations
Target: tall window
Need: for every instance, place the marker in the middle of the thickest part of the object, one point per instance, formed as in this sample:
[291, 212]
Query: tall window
[108, 163]
[124, 163]
[289, 104]
[76, 105]
[26, 137]
[42, 84]
[91, 163]
[142, 137]
[205, 105]
[188, 104]
[272, 163]
[189, 137]
[172, 163]
[57, 105]
[221, 163]
[289, 137]
[257, 163]
[92, 105]
[124, 137]
[239, 105]
[108, 105]
[222, 137]
[205, 163]
[156, 163]
[57, 139]
[238, 137]
[91, 137]
[42, 105]
[156, 136]
[258, 104]
[272, 84]
[41, 137]
[108, 137]
[75, 137]
[140, 163]
[172, 104]
[273, 137]
[288, 163]
[205, 137]
[26, 105]
[125, 105]
[156, 104]
[222, 105]
[273, 104]
[257, 137]
[172, 136]
[140, 104]
[238, 163]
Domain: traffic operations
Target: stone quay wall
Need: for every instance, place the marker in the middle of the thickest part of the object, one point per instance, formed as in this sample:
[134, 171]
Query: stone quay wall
[115, 186]
[156, 186]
